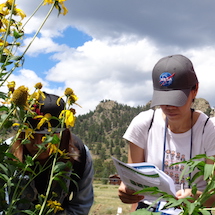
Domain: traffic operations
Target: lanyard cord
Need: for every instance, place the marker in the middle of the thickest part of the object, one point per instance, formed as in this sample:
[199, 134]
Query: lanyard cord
[191, 140]
[164, 143]
[191, 135]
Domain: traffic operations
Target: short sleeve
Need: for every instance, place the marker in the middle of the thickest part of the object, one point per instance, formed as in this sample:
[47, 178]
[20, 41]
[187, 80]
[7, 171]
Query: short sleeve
[137, 131]
[209, 137]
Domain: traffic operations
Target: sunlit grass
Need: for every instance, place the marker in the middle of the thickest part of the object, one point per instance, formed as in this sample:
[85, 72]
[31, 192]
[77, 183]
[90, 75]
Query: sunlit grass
[106, 200]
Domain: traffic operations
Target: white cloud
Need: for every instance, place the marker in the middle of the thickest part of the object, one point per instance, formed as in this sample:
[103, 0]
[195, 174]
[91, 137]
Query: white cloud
[29, 78]
[97, 60]
[42, 45]
[203, 60]
[99, 70]
[26, 77]
[127, 42]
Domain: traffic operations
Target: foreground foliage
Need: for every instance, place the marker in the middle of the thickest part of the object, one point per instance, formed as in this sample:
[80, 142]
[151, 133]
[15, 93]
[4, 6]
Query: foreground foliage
[17, 105]
[189, 205]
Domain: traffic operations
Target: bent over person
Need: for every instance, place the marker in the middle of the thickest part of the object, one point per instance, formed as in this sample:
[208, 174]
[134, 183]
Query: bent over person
[75, 197]
[172, 133]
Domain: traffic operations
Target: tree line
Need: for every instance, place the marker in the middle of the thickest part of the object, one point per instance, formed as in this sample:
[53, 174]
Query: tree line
[102, 130]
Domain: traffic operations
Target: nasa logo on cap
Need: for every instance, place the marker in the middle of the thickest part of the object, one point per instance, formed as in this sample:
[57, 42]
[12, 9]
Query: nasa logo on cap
[166, 79]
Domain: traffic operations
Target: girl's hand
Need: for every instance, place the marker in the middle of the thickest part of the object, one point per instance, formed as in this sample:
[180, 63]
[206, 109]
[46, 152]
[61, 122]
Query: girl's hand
[126, 195]
[187, 193]
[183, 193]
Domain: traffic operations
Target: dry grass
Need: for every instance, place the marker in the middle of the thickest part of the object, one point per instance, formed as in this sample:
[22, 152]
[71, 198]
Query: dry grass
[106, 200]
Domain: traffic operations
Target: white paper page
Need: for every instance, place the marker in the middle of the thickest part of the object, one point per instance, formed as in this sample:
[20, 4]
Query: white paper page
[138, 178]
[173, 211]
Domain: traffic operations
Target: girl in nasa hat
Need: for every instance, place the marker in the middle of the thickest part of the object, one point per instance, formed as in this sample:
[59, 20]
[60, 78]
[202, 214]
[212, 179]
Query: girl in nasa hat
[172, 133]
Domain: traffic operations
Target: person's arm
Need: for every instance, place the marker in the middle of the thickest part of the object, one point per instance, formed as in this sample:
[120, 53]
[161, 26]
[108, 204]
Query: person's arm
[187, 192]
[82, 200]
[135, 155]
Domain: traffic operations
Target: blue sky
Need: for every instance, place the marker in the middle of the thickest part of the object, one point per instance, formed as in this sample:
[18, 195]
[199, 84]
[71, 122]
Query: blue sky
[72, 37]
[107, 49]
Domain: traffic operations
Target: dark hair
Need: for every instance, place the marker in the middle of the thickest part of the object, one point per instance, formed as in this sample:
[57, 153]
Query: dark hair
[194, 87]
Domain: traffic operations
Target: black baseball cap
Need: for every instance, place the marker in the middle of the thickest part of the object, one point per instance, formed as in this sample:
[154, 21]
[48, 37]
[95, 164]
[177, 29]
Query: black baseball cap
[48, 105]
[173, 78]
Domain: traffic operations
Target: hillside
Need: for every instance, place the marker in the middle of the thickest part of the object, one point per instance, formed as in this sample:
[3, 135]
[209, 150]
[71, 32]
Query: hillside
[102, 130]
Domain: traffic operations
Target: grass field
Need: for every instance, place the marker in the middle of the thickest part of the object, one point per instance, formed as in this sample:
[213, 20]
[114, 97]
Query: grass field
[106, 201]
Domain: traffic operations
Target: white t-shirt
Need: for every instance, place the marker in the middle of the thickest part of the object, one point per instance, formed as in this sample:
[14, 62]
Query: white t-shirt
[177, 146]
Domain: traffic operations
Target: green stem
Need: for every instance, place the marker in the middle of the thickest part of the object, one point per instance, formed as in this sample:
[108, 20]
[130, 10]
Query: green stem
[8, 27]
[11, 111]
[16, 194]
[41, 170]
[35, 35]
[38, 7]
[5, 39]
[49, 185]
[8, 74]
[52, 170]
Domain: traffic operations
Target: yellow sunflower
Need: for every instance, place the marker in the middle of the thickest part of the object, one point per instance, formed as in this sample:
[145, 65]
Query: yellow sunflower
[44, 119]
[54, 205]
[68, 117]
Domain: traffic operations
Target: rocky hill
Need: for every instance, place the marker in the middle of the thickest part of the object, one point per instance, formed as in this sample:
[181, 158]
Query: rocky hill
[204, 106]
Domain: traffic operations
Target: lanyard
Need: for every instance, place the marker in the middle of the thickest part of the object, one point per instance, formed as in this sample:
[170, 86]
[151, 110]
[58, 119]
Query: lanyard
[165, 134]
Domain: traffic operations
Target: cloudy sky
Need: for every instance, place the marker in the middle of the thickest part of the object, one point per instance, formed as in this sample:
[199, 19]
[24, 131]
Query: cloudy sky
[107, 49]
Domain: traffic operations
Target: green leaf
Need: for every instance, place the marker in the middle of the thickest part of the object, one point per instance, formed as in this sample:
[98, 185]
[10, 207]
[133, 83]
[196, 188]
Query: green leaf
[8, 63]
[11, 156]
[3, 58]
[205, 212]
[61, 166]
[210, 186]
[200, 156]
[208, 171]
[29, 161]
[16, 58]
[3, 108]
[211, 158]
[52, 139]
[3, 96]
[197, 164]
[171, 203]
[194, 189]
[3, 168]
[17, 34]
[55, 139]
[145, 212]
[198, 174]
[4, 177]
[152, 191]
[183, 172]
[3, 148]
[62, 183]
[8, 124]
[4, 116]
[191, 207]
[28, 212]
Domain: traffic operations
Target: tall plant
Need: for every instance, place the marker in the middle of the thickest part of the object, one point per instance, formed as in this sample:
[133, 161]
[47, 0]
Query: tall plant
[17, 176]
